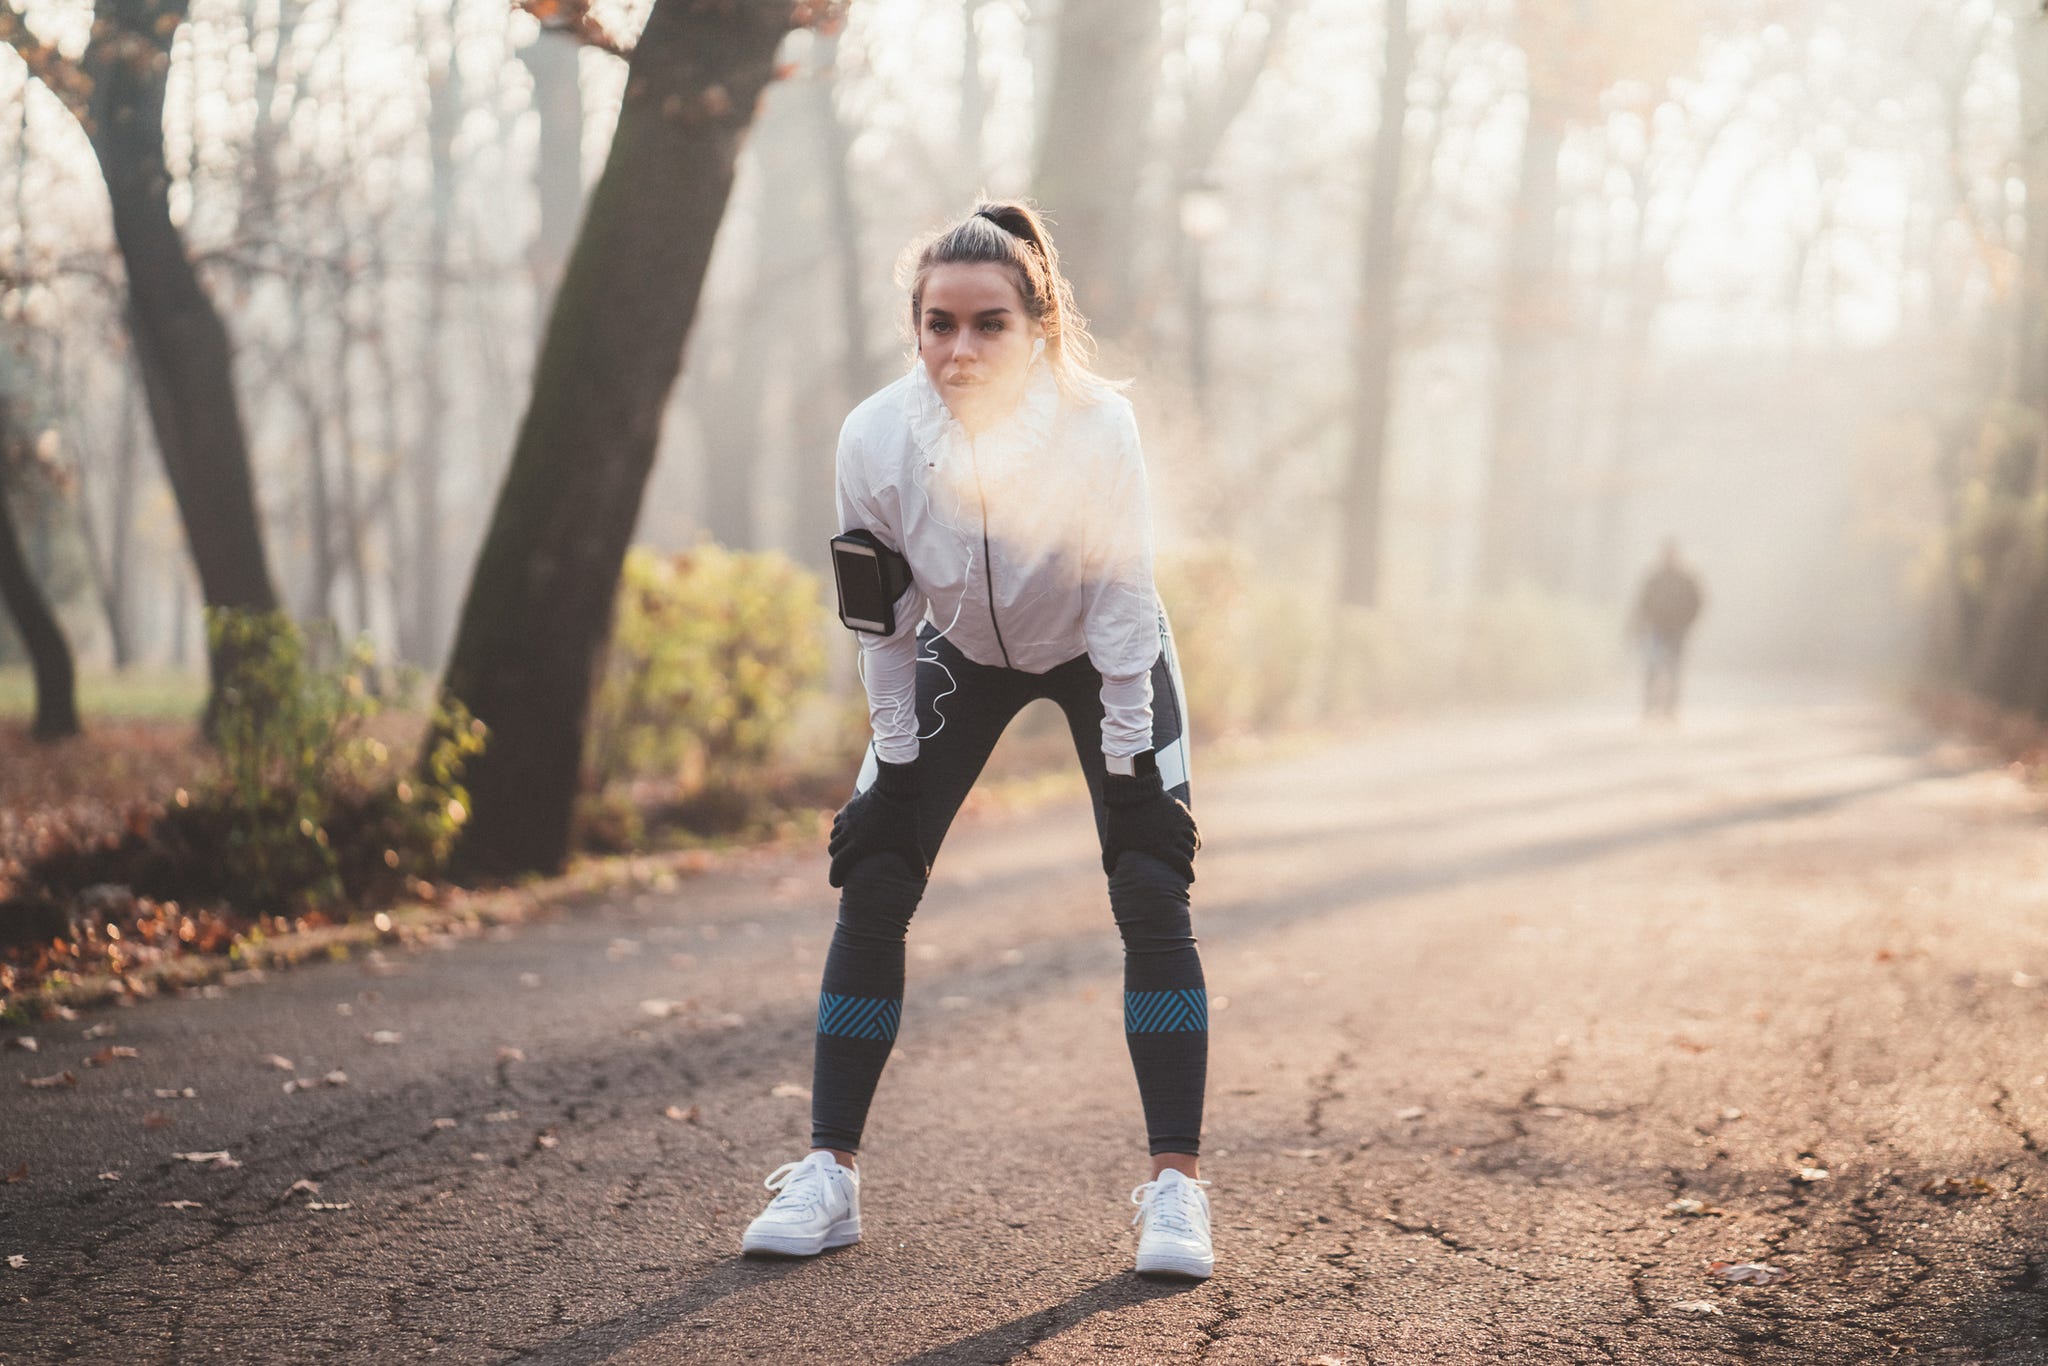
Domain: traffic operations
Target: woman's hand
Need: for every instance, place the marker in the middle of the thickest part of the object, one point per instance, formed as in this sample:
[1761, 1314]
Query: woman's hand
[1143, 819]
[881, 820]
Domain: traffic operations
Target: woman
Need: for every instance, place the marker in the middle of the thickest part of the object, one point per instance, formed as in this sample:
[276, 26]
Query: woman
[1009, 476]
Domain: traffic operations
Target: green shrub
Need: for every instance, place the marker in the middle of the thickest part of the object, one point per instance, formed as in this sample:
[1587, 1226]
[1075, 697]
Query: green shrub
[714, 654]
[309, 811]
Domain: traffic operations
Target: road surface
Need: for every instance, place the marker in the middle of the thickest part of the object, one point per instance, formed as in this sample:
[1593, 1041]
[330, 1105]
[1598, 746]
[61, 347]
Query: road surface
[1493, 998]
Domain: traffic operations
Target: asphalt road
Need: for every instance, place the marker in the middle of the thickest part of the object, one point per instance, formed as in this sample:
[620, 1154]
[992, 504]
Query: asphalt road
[1490, 995]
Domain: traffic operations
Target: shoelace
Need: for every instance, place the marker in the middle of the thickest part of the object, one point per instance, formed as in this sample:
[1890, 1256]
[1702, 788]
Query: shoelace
[797, 1185]
[1172, 1211]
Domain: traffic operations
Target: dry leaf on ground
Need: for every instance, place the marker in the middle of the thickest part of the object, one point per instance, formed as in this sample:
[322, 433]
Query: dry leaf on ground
[385, 1037]
[1748, 1273]
[179, 1204]
[784, 1090]
[281, 1063]
[176, 1093]
[17, 1261]
[1700, 1307]
[54, 1079]
[26, 1044]
[219, 1161]
[688, 1116]
[1691, 1208]
[110, 1053]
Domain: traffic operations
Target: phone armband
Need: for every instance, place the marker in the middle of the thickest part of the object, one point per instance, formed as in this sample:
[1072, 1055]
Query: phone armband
[871, 577]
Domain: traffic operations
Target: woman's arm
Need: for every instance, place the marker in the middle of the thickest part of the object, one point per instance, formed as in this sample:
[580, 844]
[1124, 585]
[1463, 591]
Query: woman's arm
[1122, 624]
[888, 663]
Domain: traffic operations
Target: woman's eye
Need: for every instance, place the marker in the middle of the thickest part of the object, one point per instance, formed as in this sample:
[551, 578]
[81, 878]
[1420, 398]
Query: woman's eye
[940, 327]
[992, 325]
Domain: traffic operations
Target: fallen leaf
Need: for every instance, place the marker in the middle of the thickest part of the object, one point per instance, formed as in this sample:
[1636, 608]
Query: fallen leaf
[304, 1183]
[282, 1064]
[54, 1079]
[501, 1116]
[1748, 1273]
[783, 1090]
[157, 1119]
[545, 1139]
[335, 1205]
[444, 1123]
[16, 1261]
[1952, 1186]
[18, 1174]
[336, 1078]
[1305, 1154]
[1813, 1173]
[659, 1009]
[1412, 1112]
[385, 1037]
[110, 1053]
[344, 1008]
[1701, 1307]
[215, 1161]
[98, 1031]
[508, 1054]
[688, 1116]
[110, 1176]
[1691, 1208]
[176, 1093]
[179, 1204]
[1731, 1114]
[26, 1044]
[62, 1013]
[479, 1157]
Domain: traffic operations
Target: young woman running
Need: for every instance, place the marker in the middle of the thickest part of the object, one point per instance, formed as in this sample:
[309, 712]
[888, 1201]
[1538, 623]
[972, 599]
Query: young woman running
[1009, 477]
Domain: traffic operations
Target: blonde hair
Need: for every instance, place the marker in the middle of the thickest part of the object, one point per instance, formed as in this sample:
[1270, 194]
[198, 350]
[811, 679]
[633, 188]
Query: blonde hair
[1009, 233]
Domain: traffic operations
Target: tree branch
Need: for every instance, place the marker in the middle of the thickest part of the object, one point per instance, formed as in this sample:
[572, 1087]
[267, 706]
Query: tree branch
[572, 17]
[63, 77]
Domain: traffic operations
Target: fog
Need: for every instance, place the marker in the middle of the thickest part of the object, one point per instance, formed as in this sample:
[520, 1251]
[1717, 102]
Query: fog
[1752, 274]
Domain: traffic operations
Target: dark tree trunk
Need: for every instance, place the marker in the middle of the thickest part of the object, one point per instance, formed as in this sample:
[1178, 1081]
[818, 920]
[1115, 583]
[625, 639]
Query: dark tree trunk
[1376, 327]
[1092, 151]
[181, 346]
[539, 609]
[48, 652]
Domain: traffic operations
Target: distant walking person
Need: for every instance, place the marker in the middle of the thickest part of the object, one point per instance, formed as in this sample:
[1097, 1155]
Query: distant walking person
[999, 484]
[1665, 611]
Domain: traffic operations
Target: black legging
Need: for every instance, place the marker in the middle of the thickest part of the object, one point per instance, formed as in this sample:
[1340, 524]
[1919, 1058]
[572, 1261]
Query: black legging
[1166, 1014]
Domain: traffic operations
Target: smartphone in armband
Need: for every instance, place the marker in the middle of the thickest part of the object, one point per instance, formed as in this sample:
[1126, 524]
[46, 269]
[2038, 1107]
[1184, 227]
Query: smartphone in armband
[871, 578]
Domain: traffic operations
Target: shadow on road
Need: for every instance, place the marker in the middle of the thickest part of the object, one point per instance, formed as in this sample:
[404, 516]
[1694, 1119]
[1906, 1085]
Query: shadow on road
[1007, 1341]
[601, 1341]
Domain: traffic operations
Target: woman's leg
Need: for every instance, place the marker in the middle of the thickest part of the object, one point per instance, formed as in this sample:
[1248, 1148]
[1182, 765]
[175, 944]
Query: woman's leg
[1166, 1002]
[861, 1000]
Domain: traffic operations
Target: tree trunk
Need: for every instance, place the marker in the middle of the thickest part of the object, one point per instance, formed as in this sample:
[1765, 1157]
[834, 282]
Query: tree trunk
[539, 608]
[1375, 329]
[1529, 314]
[181, 345]
[48, 652]
[1092, 152]
[554, 59]
[426, 630]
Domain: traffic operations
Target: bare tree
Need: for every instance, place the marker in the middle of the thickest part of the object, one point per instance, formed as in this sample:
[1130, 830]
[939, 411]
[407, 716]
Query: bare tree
[49, 653]
[1377, 326]
[116, 91]
[538, 613]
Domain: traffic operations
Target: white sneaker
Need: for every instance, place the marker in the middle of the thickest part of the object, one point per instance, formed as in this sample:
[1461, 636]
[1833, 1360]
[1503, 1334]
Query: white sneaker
[1174, 1237]
[816, 1206]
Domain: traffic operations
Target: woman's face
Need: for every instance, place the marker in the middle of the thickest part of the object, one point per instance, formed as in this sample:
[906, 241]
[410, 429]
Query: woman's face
[976, 340]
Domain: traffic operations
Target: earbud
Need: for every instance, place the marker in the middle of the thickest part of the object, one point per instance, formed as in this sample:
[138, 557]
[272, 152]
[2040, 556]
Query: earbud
[1037, 347]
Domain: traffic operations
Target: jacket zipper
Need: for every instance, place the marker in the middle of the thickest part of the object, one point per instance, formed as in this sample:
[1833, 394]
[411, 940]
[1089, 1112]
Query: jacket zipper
[988, 561]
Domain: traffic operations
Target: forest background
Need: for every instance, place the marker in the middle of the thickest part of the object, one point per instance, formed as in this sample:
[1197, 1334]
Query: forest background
[383, 330]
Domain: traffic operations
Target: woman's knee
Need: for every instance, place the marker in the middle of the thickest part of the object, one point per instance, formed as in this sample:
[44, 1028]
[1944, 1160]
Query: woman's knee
[879, 897]
[1150, 902]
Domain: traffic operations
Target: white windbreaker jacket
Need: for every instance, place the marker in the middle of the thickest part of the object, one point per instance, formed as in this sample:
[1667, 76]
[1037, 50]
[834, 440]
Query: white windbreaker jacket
[1030, 544]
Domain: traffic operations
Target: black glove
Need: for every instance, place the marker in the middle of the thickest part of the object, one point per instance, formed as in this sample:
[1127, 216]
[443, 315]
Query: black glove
[1142, 819]
[881, 820]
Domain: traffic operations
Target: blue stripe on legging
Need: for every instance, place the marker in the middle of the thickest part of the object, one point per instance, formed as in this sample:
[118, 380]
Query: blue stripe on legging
[858, 1017]
[1166, 1012]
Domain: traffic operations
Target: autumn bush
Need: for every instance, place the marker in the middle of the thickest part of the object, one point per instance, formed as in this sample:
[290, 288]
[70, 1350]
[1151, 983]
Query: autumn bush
[717, 660]
[305, 807]
[1261, 655]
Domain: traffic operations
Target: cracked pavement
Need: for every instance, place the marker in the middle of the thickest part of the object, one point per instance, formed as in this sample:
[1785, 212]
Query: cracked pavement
[1489, 995]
